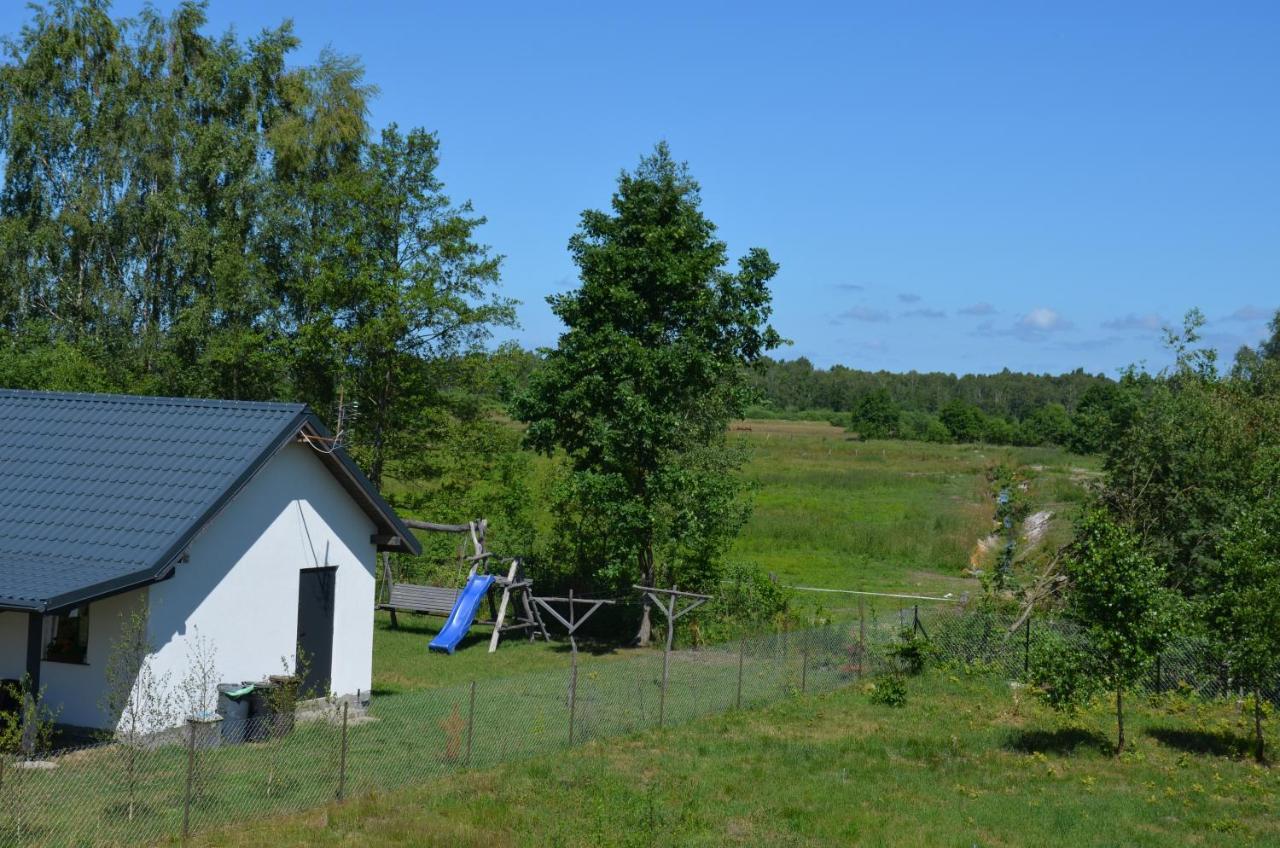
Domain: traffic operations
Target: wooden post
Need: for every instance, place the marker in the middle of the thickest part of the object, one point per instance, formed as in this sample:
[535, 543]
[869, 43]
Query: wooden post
[666, 661]
[512, 573]
[388, 580]
[191, 769]
[742, 655]
[471, 721]
[342, 756]
[573, 674]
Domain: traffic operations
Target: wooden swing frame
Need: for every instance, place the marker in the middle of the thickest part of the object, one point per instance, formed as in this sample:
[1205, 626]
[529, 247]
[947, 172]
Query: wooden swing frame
[440, 600]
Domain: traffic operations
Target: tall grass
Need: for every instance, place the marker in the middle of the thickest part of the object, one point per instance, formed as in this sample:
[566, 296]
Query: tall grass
[891, 516]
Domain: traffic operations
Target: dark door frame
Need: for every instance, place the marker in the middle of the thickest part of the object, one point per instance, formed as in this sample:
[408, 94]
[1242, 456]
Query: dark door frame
[317, 677]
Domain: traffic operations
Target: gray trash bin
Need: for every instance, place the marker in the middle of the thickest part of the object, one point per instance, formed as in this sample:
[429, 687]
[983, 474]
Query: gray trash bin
[233, 706]
[261, 714]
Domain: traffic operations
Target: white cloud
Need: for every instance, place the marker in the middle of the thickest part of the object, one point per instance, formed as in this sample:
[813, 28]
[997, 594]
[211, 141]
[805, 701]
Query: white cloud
[924, 312]
[907, 297]
[1042, 319]
[1149, 322]
[978, 309]
[865, 313]
[1251, 314]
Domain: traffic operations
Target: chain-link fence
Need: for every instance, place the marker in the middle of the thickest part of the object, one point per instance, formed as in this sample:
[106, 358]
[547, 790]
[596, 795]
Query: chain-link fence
[223, 772]
[1006, 642]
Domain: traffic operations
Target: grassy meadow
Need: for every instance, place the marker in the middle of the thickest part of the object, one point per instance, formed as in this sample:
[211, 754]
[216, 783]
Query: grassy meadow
[830, 512]
[885, 516]
[967, 762]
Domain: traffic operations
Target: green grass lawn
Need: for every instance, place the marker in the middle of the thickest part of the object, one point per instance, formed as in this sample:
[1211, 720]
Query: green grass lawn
[965, 763]
[402, 663]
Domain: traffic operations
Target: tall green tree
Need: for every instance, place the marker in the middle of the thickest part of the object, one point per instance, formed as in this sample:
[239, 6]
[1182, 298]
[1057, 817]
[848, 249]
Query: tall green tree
[1180, 469]
[1243, 614]
[875, 415]
[963, 420]
[186, 214]
[1251, 363]
[639, 390]
[1117, 593]
[407, 294]
[132, 169]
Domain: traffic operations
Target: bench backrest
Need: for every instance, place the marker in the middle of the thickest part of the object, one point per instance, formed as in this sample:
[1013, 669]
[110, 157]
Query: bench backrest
[432, 599]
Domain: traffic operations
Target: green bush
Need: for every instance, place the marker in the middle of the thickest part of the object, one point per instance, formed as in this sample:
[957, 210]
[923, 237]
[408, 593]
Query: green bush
[911, 652]
[889, 690]
[748, 601]
[1062, 671]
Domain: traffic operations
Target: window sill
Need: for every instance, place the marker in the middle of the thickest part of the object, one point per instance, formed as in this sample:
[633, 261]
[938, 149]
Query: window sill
[66, 662]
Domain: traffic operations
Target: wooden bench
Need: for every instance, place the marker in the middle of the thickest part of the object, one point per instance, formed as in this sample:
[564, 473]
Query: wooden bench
[431, 600]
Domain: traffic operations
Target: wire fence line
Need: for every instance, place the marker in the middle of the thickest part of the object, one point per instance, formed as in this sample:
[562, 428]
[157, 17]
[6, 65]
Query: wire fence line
[221, 773]
[997, 639]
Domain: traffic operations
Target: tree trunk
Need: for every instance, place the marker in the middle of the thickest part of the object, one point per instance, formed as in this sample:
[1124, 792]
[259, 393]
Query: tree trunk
[1119, 720]
[1259, 752]
[646, 624]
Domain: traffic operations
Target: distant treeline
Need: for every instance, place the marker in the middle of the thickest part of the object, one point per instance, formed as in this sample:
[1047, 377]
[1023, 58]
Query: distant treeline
[1005, 408]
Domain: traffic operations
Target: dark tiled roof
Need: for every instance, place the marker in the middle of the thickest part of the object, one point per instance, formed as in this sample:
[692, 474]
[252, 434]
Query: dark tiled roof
[102, 492]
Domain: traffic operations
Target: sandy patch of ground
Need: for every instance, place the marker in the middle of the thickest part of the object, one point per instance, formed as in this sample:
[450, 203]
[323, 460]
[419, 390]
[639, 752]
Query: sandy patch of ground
[1034, 528]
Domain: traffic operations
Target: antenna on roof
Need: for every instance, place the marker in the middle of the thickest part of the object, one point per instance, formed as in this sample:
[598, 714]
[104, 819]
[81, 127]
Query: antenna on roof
[342, 417]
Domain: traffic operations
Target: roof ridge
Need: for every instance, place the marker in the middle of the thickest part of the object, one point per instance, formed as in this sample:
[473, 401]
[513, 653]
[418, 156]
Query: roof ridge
[159, 400]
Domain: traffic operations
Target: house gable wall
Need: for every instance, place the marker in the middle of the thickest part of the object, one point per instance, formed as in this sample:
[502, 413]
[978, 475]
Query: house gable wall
[239, 589]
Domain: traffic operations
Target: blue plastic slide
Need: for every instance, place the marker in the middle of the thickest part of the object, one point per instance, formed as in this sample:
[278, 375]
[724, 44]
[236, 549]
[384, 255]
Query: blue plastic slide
[464, 612]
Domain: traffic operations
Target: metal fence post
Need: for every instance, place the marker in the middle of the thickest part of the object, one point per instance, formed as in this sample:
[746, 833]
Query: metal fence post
[573, 696]
[666, 664]
[742, 655]
[1159, 681]
[342, 755]
[804, 667]
[191, 769]
[471, 721]
[862, 638]
[1026, 650]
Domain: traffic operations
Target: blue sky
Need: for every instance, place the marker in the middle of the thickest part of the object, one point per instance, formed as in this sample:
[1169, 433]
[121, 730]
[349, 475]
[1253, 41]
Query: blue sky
[957, 187]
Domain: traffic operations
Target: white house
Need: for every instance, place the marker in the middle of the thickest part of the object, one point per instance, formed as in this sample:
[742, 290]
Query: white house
[237, 522]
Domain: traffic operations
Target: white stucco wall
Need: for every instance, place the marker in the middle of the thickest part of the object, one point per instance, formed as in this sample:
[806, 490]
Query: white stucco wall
[73, 691]
[239, 591]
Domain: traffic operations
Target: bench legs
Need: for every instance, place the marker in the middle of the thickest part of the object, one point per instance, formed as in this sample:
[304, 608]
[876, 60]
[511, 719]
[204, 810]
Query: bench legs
[395, 624]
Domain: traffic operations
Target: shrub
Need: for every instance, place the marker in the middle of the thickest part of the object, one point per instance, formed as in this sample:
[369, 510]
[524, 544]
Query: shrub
[911, 652]
[747, 601]
[1063, 672]
[889, 690]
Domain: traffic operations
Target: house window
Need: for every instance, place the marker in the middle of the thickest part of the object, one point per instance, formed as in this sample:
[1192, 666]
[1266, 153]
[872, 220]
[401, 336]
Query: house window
[66, 636]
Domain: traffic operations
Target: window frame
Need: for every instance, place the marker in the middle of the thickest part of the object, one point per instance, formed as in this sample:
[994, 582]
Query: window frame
[81, 642]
